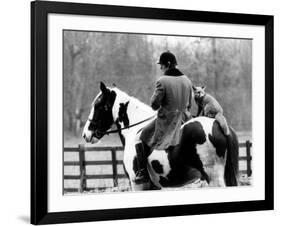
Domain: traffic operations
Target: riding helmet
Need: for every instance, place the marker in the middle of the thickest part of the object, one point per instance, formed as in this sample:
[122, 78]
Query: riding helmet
[167, 58]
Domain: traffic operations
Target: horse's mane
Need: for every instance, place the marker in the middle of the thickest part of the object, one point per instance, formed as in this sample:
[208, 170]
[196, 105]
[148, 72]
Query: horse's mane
[123, 97]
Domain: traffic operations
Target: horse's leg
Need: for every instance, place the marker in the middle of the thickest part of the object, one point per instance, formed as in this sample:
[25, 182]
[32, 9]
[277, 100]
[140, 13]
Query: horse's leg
[139, 187]
[130, 172]
[218, 174]
[213, 165]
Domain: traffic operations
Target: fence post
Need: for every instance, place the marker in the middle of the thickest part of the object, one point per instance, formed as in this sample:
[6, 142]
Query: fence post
[249, 157]
[81, 148]
[114, 167]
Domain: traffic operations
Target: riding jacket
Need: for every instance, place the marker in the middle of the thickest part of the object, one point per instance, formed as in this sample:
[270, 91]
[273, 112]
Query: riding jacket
[172, 99]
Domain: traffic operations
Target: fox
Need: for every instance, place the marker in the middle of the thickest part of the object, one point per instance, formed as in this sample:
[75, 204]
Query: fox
[208, 106]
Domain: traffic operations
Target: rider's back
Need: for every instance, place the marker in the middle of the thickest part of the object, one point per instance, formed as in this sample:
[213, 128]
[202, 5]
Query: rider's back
[177, 93]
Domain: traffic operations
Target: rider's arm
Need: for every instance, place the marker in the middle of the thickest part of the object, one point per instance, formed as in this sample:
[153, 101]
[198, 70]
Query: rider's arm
[157, 96]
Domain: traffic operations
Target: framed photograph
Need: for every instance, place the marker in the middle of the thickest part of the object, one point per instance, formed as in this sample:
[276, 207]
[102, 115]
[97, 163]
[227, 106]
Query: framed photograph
[145, 112]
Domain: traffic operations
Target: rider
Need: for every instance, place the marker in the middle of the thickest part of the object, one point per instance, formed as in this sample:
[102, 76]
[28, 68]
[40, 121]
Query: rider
[172, 98]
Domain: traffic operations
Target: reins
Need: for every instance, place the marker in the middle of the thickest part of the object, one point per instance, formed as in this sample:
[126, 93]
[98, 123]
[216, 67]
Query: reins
[128, 127]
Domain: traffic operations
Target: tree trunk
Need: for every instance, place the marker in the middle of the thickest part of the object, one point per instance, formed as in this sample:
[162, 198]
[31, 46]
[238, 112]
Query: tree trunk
[70, 121]
[215, 69]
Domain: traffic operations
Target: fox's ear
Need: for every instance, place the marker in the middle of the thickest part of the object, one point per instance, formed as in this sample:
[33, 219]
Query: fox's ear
[203, 87]
[194, 88]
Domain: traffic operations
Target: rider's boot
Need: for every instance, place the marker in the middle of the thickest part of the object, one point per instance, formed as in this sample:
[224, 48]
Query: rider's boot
[142, 173]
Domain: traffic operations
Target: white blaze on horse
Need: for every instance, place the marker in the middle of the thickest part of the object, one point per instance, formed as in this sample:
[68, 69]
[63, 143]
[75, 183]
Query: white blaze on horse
[204, 152]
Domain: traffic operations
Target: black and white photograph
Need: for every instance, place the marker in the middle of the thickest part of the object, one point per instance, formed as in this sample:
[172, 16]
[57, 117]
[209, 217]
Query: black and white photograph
[155, 112]
[149, 112]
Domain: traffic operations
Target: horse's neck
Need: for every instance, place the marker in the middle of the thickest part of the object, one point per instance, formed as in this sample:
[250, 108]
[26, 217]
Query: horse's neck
[136, 111]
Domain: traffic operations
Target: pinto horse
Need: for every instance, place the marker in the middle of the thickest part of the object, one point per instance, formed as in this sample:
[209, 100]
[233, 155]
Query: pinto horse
[204, 153]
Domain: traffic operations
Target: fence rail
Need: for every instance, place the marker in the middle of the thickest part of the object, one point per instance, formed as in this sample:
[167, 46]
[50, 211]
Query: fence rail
[114, 162]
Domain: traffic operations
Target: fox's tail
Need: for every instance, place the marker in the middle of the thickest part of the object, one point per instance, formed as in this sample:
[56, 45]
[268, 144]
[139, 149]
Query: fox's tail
[223, 123]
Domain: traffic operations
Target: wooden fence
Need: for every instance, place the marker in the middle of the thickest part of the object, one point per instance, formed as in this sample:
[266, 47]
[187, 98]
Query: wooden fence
[248, 158]
[114, 162]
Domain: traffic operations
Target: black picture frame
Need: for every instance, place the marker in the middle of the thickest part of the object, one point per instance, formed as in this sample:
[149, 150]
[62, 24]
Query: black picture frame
[39, 112]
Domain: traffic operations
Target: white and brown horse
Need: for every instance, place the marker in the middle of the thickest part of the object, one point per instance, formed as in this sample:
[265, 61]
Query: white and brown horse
[203, 148]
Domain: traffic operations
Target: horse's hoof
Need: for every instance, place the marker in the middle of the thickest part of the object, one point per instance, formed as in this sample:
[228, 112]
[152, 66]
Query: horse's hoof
[141, 187]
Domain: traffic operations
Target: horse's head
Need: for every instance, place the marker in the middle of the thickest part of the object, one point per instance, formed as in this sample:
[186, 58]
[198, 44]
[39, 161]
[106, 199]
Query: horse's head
[101, 116]
[106, 109]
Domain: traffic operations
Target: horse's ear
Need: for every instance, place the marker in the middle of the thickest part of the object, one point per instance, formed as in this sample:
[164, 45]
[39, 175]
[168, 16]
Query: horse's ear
[103, 87]
[203, 87]
[194, 88]
[126, 104]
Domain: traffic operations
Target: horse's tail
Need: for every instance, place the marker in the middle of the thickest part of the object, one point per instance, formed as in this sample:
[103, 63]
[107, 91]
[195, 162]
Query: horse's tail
[232, 154]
